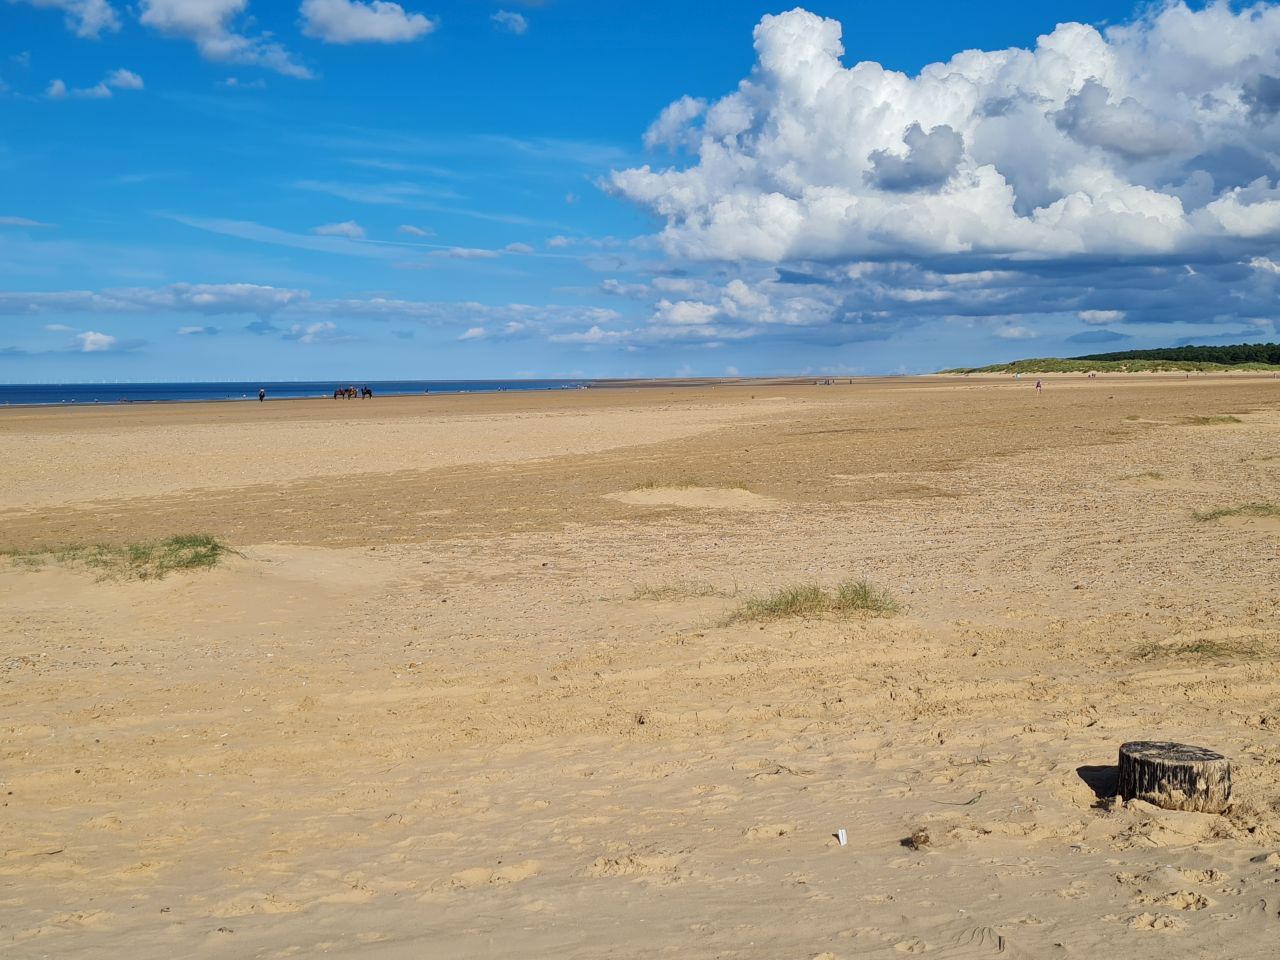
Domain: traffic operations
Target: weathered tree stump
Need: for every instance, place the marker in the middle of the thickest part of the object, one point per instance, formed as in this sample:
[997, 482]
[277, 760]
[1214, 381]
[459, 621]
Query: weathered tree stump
[1175, 776]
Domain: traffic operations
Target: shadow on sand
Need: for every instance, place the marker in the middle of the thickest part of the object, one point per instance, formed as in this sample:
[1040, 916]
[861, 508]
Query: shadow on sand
[1101, 780]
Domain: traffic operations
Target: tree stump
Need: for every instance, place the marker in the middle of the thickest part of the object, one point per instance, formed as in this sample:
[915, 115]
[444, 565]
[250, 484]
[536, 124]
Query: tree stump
[1175, 776]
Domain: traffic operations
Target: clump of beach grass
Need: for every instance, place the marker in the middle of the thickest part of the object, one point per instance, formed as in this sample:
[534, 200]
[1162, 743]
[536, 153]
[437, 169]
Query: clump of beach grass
[1200, 649]
[686, 483]
[811, 600]
[1211, 421]
[1244, 510]
[680, 591]
[152, 560]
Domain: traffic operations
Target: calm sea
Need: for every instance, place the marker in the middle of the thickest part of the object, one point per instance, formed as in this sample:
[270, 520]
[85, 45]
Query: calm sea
[58, 393]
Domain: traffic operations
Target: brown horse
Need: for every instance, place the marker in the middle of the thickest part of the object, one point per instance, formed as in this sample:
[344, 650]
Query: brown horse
[347, 392]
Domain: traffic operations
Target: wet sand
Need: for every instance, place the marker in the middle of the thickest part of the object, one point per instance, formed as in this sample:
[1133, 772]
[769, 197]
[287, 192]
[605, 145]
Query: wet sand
[468, 690]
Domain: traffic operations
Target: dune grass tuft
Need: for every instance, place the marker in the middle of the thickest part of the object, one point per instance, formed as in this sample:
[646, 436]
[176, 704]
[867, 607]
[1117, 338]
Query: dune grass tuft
[1210, 421]
[861, 596]
[811, 600]
[135, 561]
[1244, 510]
[686, 483]
[1202, 649]
[679, 591]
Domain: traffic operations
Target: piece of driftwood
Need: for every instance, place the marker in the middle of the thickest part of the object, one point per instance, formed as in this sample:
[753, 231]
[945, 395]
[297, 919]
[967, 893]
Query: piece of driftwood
[1175, 776]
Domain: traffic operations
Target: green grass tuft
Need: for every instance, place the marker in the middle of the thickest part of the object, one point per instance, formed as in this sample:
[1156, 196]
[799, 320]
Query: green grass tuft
[1244, 510]
[135, 561]
[811, 600]
[863, 597]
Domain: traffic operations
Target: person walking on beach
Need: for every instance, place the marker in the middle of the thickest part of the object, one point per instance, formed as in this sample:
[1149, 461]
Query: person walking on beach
[262, 394]
[1039, 386]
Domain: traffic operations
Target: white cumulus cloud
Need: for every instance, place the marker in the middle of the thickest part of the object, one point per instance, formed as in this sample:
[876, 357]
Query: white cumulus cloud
[511, 22]
[1158, 137]
[93, 342]
[350, 21]
[123, 80]
[209, 24]
[117, 79]
[473, 333]
[318, 332]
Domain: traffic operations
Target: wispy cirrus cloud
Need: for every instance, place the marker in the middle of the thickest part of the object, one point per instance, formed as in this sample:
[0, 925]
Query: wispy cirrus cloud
[210, 25]
[260, 233]
[85, 18]
[23, 222]
[292, 306]
[348, 228]
[397, 194]
[205, 298]
[466, 253]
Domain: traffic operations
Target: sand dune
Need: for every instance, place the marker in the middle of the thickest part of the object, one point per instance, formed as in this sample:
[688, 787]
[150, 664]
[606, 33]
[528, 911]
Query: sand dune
[493, 706]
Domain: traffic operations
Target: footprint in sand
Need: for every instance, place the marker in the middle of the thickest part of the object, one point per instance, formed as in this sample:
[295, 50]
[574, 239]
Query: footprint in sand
[491, 877]
[657, 868]
[1154, 921]
[1177, 900]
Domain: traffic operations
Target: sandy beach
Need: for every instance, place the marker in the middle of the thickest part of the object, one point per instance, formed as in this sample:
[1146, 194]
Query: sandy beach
[471, 686]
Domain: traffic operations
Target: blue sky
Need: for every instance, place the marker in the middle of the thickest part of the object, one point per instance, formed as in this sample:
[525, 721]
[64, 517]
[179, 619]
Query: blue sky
[232, 189]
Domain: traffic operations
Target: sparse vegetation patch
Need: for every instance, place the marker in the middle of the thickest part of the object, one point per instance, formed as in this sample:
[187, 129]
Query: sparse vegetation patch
[686, 483]
[1244, 510]
[680, 591]
[1203, 649]
[811, 600]
[1210, 421]
[135, 561]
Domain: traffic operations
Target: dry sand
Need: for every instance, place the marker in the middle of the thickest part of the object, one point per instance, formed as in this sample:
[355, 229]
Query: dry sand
[466, 692]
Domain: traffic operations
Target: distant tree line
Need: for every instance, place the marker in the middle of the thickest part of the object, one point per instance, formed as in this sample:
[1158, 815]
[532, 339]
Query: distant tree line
[1231, 355]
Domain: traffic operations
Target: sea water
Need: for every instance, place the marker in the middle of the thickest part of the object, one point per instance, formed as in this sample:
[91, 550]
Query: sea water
[78, 393]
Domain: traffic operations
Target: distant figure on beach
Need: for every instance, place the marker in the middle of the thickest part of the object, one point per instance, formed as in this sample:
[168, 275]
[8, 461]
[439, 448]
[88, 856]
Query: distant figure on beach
[1039, 386]
[262, 394]
[366, 392]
